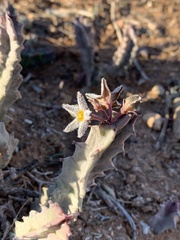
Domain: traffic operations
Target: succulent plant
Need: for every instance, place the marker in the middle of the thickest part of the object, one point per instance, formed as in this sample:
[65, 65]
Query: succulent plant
[11, 44]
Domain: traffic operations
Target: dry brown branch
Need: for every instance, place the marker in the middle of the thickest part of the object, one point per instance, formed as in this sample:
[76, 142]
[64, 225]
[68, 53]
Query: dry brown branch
[39, 181]
[12, 173]
[85, 41]
[6, 231]
[165, 123]
[144, 77]
[113, 20]
[8, 226]
[117, 208]
[18, 192]
[4, 210]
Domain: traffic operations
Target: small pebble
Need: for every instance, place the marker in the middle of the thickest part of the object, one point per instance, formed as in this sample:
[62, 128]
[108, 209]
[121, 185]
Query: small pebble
[156, 92]
[172, 172]
[67, 98]
[138, 201]
[36, 88]
[131, 178]
[126, 166]
[145, 227]
[122, 237]
[28, 121]
[153, 120]
[148, 199]
[147, 209]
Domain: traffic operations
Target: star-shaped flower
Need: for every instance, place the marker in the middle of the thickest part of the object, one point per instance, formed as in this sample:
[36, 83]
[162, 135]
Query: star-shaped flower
[81, 113]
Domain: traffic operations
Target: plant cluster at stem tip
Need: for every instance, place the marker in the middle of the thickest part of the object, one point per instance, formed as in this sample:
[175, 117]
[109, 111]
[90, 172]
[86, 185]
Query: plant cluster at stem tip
[108, 109]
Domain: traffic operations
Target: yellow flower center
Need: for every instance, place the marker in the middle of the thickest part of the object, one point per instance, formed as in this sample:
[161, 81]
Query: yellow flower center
[80, 116]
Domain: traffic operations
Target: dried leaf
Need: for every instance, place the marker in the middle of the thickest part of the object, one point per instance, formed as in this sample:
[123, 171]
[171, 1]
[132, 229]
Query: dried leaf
[166, 218]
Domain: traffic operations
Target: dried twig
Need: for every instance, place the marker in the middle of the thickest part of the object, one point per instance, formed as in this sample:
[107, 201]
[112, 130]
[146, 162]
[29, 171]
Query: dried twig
[116, 207]
[11, 226]
[141, 71]
[64, 12]
[7, 207]
[21, 209]
[85, 41]
[42, 173]
[19, 199]
[113, 20]
[39, 181]
[165, 123]
[19, 172]
[6, 231]
[46, 105]
[18, 192]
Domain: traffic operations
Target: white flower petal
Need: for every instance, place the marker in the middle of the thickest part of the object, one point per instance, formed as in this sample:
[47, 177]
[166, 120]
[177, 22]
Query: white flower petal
[81, 113]
[81, 101]
[87, 115]
[82, 128]
[72, 109]
[72, 126]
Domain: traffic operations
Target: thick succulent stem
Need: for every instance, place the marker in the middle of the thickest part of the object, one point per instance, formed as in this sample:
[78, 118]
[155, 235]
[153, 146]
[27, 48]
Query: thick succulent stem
[89, 161]
[11, 44]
